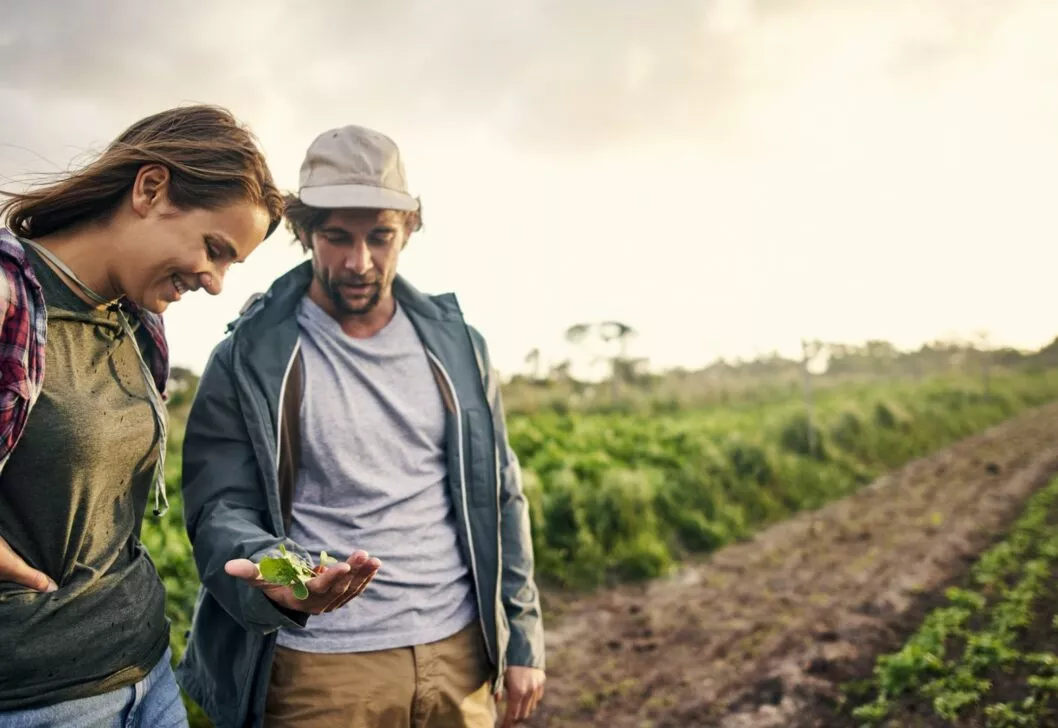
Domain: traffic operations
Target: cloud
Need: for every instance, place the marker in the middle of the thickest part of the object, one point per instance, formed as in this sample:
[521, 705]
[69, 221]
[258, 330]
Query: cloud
[557, 76]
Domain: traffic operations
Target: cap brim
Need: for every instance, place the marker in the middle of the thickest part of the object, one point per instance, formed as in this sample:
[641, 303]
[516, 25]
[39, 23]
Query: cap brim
[367, 196]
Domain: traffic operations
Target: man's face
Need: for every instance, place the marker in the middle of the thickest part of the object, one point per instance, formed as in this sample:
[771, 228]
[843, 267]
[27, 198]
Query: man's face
[354, 258]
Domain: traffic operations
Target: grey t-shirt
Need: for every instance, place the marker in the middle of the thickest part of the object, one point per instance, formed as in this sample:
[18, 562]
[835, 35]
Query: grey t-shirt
[72, 497]
[373, 476]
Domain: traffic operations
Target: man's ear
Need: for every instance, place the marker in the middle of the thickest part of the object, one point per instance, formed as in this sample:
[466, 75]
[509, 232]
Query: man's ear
[416, 225]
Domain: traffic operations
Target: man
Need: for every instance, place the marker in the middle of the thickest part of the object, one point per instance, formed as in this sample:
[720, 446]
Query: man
[348, 412]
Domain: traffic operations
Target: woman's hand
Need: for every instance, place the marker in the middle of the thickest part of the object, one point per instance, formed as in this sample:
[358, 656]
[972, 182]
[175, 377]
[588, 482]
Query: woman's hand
[13, 568]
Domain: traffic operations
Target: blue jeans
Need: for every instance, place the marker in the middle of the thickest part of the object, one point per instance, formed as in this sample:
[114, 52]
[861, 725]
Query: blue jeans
[153, 702]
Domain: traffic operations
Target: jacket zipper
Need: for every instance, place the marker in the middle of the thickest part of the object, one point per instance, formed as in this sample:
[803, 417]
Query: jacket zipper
[252, 678]
[499, 481]
[279, 417]
[463, 492]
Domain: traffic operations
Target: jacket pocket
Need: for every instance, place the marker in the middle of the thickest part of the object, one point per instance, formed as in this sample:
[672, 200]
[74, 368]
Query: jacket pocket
[478, 456]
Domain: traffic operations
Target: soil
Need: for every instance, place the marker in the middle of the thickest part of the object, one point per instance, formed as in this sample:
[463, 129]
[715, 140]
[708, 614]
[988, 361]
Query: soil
[765, 633]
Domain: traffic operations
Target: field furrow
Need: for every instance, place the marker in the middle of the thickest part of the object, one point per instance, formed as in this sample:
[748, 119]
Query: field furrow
[764, 633]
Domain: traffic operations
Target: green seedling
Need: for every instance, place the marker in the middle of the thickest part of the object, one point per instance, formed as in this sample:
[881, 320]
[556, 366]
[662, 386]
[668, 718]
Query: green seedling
[288, 569]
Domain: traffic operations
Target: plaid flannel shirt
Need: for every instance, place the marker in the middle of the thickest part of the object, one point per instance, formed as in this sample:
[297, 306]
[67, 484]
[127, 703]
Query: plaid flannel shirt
[23, 333]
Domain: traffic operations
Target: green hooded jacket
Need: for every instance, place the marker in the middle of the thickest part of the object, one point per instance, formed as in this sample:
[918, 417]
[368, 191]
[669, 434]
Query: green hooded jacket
[239, 468]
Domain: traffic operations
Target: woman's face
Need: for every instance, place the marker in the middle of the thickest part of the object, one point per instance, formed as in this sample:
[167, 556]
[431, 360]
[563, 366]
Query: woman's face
[178, 251]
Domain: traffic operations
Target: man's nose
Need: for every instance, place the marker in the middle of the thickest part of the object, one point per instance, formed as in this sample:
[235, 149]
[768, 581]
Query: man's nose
[359, 259]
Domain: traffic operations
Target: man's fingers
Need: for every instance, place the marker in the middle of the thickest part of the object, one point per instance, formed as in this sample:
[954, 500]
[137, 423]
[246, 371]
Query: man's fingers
[329, 579]
[365, 574]
[516, 704]
[339, 592]
[358, 559]
[528, 705]
[511, 716]
[330, 586]
[538, 695]
[333, 604]
[359, 584]
[247, 571]
[361, 569]
[361, 577]
[242, 569]
[521, 704]
[352, 594]
[524, 706]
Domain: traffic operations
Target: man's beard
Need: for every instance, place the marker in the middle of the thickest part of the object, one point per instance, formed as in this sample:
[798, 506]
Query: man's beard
[343, 304]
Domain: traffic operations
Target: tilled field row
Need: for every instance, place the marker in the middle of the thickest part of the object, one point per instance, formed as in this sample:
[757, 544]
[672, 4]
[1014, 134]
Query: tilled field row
[761, 633]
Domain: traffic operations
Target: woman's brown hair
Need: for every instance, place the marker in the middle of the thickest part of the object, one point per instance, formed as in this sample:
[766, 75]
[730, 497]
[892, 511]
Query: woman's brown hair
[213, 161]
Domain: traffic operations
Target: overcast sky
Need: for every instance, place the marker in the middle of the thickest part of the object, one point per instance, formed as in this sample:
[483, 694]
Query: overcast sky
[726, 176]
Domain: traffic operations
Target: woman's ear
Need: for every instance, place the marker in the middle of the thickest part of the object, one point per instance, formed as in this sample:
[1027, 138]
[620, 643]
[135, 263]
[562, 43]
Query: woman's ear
[150, 190]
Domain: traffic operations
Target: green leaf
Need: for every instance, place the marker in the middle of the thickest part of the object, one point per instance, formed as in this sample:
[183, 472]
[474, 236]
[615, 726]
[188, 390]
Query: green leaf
[289, 569]
[277, 571]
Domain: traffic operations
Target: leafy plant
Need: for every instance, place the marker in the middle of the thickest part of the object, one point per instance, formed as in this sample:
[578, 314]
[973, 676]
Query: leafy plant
[948, 662]
[289, 569]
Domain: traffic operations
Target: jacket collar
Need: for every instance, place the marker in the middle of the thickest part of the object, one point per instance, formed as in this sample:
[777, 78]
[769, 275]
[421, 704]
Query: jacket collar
[281, 300]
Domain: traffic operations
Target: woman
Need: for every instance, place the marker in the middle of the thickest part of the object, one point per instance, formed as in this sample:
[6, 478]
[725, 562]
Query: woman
[86, 267]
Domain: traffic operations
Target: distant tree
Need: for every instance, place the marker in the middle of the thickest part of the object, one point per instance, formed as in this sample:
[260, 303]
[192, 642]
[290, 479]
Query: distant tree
[532, 360]
[577, 334]
[560, 371]
[622, 334]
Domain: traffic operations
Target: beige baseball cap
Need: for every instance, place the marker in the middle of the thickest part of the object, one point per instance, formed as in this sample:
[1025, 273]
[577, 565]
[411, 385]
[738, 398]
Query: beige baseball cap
[354, 167]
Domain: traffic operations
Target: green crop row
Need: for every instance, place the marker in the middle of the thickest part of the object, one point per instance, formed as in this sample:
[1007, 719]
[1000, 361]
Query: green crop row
[950, 662]
[621, 498]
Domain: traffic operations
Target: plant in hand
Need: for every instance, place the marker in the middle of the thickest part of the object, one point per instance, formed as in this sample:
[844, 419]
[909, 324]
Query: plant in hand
[288, 569]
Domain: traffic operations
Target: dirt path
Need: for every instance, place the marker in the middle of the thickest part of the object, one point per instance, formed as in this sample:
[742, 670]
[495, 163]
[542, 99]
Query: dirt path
[761, 633]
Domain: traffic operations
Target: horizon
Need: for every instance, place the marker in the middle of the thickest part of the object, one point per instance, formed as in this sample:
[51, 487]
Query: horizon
[727, 177]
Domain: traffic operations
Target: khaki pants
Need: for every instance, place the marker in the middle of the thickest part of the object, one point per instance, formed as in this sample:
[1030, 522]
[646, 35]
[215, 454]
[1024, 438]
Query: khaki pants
[444, 684]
